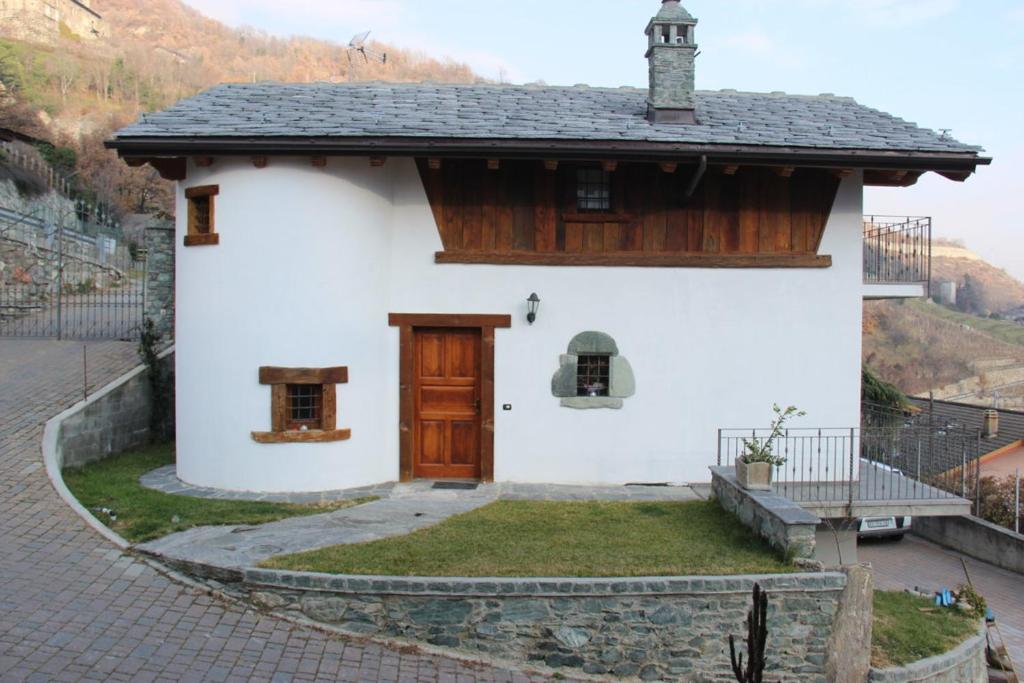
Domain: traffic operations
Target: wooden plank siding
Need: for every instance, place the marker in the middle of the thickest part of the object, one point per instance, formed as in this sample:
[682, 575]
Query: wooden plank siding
[522, 207]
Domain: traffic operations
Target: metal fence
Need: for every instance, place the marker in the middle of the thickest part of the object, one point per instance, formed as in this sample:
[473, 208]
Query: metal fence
[59, 282]
[875, 463]
[897, 249]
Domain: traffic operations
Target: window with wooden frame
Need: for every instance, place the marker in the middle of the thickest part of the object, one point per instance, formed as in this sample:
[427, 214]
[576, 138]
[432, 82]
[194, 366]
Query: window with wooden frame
[201, 229]
[303, 404]
[593, 190]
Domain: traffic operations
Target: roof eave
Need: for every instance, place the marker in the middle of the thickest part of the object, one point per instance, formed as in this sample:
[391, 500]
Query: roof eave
[538, 149]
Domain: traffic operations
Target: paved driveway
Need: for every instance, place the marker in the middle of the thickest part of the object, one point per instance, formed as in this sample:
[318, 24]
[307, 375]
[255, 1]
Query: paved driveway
[72, 607]
[914, 562]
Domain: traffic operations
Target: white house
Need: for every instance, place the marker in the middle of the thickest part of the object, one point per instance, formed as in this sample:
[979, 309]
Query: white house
[355, 262]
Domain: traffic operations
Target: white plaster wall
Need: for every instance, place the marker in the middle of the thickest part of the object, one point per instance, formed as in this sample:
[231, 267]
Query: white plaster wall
[710, 348]
[299, 279]
[311, 261]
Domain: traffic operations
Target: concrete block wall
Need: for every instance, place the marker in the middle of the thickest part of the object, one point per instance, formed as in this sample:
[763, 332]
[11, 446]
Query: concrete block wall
[113, 421]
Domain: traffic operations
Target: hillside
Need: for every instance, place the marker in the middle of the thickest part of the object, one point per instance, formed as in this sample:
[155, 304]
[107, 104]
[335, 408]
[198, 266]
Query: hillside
[995, 290]
[73, 91]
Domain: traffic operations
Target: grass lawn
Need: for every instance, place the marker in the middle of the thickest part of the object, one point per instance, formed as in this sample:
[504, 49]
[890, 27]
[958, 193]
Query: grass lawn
[908, 628]
[144, 514]
[545, 538]
[1003, 330]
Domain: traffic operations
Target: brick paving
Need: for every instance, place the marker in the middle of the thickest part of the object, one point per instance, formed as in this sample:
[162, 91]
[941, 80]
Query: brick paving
[73, 607]
[915, 562]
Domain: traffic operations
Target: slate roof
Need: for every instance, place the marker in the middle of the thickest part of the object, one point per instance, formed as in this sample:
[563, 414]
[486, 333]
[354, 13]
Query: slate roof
[1011, 422]
[525, 113]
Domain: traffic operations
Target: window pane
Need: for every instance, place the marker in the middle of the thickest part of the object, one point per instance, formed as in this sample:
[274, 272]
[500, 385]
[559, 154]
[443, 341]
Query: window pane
[304, 403]
[593, 189]
[593, 375]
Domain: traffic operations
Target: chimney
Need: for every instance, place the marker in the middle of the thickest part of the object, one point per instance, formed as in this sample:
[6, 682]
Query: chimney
[670, 56]
[991, 428]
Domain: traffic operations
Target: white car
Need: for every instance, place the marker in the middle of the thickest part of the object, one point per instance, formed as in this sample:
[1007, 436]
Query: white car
[881, 527]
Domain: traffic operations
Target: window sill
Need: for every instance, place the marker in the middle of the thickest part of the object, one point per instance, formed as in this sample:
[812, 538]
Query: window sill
[202, 240]
[591, 402]
[597, 217]
[310, 436]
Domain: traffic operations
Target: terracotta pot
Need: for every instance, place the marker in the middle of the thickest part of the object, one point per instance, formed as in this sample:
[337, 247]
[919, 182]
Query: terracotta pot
[754, 476]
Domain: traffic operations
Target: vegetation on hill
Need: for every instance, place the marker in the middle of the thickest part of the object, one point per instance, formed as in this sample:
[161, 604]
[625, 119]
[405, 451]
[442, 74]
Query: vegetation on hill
[152, 53]
[918, 345]
[982, 288]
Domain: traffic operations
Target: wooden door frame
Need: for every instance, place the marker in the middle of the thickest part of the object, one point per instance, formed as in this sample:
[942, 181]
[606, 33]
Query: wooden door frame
[406, 324]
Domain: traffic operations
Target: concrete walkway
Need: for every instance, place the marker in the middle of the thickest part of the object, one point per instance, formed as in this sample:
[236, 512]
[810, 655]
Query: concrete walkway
[402, 509]
[73, 607]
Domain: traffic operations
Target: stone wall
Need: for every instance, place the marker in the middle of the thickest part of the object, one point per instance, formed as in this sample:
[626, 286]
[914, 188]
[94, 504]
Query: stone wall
[114, 421]
[975, 537]
[49, 20]
[160, 278]
[965, 664]
[784, 524]
[672, 628]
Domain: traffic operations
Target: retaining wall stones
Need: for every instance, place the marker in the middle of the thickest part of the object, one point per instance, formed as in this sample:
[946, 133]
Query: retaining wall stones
[113, 421]
[975, 537]
[784, 524]
[672, 628]
[965, 664]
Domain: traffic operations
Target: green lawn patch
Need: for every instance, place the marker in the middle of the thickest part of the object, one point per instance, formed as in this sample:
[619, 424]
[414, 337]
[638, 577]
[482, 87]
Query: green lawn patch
[143, 514]
[909, 628]
[545, 538]
[1003, 330]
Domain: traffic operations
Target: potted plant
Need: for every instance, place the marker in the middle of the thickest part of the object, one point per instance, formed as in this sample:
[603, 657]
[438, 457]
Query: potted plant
[754, 465]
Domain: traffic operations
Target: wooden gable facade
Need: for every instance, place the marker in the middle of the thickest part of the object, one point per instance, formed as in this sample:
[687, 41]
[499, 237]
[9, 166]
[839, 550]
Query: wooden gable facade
[526, 212]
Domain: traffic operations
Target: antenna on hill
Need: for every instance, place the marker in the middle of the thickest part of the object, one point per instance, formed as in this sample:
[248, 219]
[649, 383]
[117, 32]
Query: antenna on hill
[358, 45]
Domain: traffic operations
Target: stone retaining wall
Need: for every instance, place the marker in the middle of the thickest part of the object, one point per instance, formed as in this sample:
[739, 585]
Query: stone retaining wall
[976, 537]
[965, 664]
[113, 421]
[784, 524]
[672, 628]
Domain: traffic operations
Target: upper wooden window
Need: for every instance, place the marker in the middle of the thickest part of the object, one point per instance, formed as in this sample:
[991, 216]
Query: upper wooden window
[201, 229]
[593, 375]
[303, 404]
[593, 189]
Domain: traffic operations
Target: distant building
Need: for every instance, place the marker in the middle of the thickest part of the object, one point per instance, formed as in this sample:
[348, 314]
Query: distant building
[46, 21]
[946, 293]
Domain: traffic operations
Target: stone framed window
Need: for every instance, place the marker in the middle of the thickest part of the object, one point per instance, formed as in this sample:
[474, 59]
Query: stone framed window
[201, 227]
[303, 404]
[592, 374]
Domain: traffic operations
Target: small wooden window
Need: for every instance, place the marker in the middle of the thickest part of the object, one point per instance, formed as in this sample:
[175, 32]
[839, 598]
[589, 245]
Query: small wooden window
[201, 229]
[593, 375]
[593, 189]
[305, 402]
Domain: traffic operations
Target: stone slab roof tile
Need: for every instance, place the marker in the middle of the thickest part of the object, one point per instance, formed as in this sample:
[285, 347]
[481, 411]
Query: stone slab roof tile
[532, 113]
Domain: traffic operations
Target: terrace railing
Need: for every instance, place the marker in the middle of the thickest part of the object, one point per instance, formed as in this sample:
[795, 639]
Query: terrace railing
[881, 462]
[897, 249]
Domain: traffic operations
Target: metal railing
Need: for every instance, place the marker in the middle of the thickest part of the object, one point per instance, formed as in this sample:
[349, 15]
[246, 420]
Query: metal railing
[897, 249]
[881, 462]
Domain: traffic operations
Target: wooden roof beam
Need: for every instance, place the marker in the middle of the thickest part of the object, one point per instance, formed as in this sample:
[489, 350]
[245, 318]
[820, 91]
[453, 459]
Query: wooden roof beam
[668, 166]
[731, 169]
[609, 165]
[493, 164]
[318, 161]
[203, 162]
[434, 164]
[551, 164]
[378, 161]
[785, 171]
[259, 161]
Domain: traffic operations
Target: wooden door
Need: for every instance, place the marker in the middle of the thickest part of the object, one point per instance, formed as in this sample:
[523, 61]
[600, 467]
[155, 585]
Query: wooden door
[446, 414]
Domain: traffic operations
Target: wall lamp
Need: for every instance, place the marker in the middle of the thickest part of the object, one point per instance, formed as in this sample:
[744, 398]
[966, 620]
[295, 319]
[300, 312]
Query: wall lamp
[532, 304]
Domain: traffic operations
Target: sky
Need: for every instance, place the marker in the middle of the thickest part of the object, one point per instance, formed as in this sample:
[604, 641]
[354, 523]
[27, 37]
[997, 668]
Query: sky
[944, 64]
